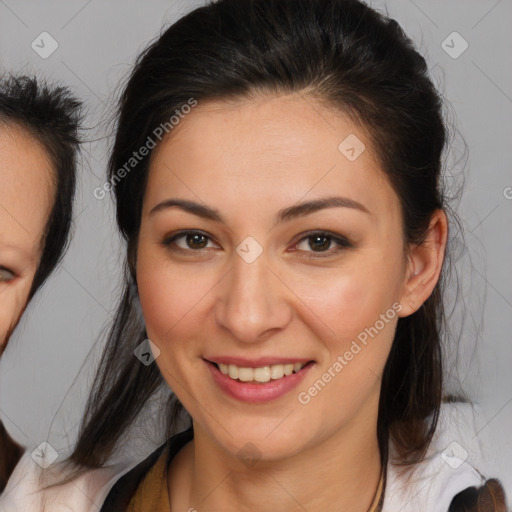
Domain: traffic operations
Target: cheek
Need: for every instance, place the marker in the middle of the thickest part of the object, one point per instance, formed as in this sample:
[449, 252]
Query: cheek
[361, 311]
[173, 301]
[170, 297]
[5, 322]
[350, 300]
[12, 302]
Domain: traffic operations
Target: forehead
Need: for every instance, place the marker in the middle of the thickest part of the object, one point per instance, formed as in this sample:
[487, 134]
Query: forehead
[25, 188]
[275, 148]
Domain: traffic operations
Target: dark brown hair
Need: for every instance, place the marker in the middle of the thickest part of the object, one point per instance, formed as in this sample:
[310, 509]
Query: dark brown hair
[353, 59]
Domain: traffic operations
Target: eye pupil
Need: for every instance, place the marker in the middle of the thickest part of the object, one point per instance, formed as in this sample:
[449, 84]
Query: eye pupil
[322, 246]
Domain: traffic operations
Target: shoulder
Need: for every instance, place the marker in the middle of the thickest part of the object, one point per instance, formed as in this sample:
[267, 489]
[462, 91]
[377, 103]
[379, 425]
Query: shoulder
[129, 484]
[450, 469]
[91, 491]
[26, 490]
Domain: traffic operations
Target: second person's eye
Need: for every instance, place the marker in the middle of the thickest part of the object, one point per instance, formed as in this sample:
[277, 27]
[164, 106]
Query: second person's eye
[6, 275]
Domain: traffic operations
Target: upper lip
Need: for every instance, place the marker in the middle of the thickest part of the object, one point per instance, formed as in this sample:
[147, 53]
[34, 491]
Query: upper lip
[256, 363]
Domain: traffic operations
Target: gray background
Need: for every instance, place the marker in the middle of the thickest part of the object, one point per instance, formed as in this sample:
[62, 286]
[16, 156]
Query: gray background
[47, 367]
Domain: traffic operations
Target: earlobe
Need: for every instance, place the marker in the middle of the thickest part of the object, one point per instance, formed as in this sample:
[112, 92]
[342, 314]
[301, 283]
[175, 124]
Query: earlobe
[425, 261]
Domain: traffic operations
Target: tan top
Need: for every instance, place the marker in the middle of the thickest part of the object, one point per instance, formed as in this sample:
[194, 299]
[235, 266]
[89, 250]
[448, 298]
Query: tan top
[153, 492]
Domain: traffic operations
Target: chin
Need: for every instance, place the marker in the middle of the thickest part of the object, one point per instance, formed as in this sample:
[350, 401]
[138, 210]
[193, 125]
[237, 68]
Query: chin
[255, 439]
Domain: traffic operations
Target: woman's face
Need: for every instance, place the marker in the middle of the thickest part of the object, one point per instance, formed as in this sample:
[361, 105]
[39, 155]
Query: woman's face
[25, 203]
[266, 282]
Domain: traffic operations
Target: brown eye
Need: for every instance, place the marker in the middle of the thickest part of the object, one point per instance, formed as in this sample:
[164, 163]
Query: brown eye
[321, 242]
[188, 241]
[6, 275]
[196, 241]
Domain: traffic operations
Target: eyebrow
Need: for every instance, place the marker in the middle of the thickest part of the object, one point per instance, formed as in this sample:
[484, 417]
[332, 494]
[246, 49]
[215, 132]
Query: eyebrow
[284, 215]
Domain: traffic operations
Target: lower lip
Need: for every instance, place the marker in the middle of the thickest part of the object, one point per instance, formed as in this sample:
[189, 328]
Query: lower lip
[260, 392]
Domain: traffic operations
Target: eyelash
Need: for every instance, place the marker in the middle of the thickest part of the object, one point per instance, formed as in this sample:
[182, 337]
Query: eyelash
[342, 242]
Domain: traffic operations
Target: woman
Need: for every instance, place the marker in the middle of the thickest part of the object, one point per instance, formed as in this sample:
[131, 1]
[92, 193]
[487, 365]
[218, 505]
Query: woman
[277, 173]
[38, 145]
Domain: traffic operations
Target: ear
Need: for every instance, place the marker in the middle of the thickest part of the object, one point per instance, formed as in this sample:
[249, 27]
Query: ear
[424, 266]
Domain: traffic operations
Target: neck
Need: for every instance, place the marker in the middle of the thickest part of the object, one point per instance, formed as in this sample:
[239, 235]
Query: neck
[342, 472]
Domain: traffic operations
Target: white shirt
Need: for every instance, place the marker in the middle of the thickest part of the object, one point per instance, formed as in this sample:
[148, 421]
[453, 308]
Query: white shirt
[85, 493]
[449, 468]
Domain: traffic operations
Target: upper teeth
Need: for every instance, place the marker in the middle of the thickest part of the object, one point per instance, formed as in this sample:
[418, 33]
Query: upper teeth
[261, 374]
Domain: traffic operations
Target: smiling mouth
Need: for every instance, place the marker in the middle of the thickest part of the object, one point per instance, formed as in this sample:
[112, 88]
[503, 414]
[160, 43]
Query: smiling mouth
[260, 374]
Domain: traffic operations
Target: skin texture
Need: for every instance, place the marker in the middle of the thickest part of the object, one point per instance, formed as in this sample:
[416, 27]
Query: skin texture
[249, 159]
[25, 204]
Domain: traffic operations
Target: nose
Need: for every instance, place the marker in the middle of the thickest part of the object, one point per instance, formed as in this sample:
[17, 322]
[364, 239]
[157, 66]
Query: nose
[252, 302]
